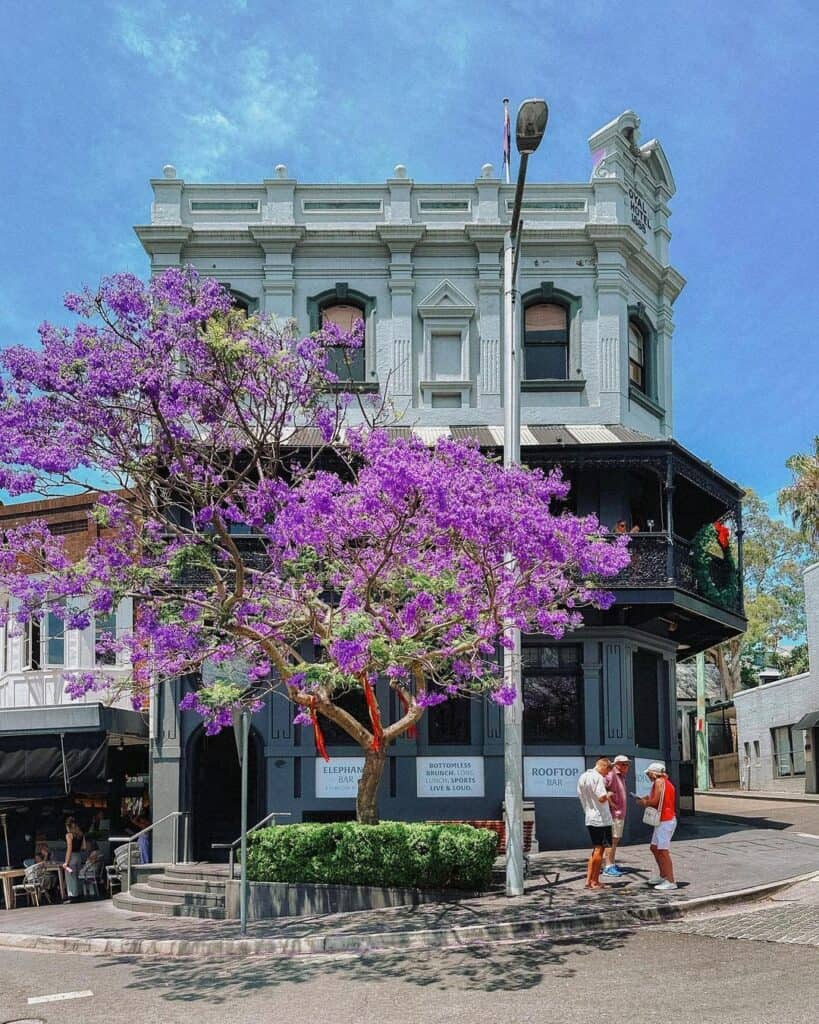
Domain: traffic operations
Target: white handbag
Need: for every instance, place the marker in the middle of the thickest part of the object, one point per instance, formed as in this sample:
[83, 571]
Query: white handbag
[652, 815]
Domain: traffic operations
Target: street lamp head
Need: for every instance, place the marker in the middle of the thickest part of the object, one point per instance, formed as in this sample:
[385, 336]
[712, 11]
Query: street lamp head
[530, 126]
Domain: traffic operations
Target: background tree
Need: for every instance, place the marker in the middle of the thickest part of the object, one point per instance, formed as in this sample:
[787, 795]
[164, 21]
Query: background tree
[362, 564]
[774, 557]
[801, 497]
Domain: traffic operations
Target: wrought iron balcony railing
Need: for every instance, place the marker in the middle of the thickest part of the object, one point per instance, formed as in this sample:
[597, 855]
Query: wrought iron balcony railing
[663, 560]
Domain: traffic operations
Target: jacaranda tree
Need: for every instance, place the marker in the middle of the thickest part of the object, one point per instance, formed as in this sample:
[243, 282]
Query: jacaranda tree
[259, 535]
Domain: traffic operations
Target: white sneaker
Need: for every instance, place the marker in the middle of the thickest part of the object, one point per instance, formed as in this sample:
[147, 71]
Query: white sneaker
[665, 886]
[655, 880]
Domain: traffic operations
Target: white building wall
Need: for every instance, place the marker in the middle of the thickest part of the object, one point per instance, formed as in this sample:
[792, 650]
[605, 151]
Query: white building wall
[605, 241]
[22, 687]
[780, 703]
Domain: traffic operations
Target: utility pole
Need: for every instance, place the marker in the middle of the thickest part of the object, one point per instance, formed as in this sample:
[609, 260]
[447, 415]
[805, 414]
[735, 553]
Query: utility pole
[702, 726]
[530, 128]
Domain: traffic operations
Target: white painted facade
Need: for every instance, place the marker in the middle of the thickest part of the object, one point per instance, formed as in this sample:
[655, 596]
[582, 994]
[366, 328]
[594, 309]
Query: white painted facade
[766, 714]
[24, 686]
[428, 257]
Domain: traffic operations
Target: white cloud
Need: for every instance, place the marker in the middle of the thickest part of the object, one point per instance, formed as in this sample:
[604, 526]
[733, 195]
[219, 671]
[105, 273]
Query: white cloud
[258, 103]
[165, 40]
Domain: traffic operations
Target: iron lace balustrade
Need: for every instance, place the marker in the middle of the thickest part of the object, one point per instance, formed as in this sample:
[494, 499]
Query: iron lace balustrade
[653, 553]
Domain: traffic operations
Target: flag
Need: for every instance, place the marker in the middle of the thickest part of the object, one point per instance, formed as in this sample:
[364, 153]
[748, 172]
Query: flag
[507, 140]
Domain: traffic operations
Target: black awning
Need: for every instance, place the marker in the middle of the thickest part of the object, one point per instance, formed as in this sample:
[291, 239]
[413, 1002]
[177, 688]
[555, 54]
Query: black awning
[50, 765]
[808, 721]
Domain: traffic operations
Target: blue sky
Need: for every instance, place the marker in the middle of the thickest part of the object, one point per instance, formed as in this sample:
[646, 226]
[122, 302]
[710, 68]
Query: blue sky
[97, 96]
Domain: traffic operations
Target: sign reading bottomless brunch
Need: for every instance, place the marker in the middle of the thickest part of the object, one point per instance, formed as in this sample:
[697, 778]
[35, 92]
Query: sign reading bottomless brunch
[552, 776]
[338, 777]
[449, 776]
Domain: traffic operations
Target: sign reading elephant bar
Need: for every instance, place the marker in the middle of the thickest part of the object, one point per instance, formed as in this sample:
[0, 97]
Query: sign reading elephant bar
[338, 778]
[449, 776]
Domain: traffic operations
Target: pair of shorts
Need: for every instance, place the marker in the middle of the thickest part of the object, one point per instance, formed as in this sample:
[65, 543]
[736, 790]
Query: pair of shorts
[600, 834]
[661, 836]
[617, 827]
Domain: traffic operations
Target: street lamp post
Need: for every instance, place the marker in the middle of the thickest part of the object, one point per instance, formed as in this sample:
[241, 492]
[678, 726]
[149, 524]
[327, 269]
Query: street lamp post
[530, 128]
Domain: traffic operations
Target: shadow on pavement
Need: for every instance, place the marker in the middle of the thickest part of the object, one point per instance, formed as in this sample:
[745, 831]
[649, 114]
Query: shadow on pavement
[711, 825]
[487, 968]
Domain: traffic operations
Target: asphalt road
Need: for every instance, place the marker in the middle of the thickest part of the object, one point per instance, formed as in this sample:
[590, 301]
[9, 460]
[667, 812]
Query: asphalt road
[749, 965]
[648, 977]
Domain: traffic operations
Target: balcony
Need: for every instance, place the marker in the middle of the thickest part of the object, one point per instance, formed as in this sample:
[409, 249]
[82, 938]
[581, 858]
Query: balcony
[662, 560]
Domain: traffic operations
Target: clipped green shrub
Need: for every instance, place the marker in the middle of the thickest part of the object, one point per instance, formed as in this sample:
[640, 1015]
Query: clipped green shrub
[392, 853]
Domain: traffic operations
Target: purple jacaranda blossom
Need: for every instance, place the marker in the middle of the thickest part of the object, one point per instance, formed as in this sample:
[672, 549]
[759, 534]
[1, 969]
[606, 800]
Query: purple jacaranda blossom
[505, 695]
[279, 566]
[428, 699]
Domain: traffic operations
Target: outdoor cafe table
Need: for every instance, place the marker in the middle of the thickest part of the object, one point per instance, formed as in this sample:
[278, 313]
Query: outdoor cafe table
[12, 873]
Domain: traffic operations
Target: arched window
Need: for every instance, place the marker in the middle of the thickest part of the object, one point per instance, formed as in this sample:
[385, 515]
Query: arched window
[637, 357]
[346, 363]
[343, 305]
[546, 342]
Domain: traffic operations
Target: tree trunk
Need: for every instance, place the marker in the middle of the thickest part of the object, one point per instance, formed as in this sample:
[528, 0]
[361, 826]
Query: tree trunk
[366, 804]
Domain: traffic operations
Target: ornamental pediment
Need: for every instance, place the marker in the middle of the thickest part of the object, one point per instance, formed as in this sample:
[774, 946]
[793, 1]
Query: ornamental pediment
[446, 299]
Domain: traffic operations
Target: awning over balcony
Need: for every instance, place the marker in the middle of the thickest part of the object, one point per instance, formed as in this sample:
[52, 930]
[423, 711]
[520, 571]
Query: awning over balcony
[808, 721]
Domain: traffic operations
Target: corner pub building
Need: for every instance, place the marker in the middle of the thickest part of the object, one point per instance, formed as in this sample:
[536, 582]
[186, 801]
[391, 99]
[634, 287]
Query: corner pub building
[422, 265]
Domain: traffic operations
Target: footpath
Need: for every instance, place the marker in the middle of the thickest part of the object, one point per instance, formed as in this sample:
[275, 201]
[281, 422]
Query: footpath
[718, 861]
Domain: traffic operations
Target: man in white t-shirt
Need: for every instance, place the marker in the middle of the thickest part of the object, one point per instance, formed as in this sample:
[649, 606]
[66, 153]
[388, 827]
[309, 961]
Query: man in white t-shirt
[594, 799]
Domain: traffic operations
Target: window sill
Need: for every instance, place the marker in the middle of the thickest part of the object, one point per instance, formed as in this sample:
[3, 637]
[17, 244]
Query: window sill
[355, 387]
[642, 399]
[576, 384]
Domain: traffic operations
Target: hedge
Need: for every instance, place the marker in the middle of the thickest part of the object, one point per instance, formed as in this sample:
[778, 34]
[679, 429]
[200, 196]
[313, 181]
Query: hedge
[392, 853]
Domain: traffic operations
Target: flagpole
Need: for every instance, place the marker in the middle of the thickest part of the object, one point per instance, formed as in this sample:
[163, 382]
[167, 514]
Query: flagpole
[507, 140]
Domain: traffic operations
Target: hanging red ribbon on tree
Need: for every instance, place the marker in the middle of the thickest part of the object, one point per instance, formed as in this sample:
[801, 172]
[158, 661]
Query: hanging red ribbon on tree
[318, 736]
[412, 732]
[375, 713]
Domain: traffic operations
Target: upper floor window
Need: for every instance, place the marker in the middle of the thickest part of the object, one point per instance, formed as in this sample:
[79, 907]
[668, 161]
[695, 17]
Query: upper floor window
[637, 357]
[55, 643]
[546, 342]
[345, 363]
[343, 306]
[105, 633]
[32, 642]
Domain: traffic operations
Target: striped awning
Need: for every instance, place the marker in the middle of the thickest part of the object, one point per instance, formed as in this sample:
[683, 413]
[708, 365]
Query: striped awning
[491, 436]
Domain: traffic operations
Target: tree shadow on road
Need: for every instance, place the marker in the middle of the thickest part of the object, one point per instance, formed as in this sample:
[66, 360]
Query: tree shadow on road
[488, 967]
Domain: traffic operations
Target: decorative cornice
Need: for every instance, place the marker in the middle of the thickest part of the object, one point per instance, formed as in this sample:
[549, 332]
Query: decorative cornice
[163, 233]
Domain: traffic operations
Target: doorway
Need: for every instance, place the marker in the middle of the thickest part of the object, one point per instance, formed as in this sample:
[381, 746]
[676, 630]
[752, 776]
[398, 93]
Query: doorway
[216, 783]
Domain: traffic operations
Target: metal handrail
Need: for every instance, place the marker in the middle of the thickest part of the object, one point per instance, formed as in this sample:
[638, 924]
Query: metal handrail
[232, 846]
[176, 815]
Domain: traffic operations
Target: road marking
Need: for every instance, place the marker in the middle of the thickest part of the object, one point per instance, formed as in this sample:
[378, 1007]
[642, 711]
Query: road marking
[58, 996]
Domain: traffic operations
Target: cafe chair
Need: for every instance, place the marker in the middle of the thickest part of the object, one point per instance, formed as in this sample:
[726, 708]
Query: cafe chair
[34, 885]
[91, 878]
[115, 871]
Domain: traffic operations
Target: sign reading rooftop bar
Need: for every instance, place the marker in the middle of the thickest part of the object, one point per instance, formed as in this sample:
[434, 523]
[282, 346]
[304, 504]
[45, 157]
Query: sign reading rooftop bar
[338, 777]
[552, 776]
[639, 211]
[449, 776]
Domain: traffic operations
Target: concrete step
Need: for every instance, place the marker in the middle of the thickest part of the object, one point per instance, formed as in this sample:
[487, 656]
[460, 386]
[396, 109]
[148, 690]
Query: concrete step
[137, 905]
[201, 872]
[179, 897]
[181, 882]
